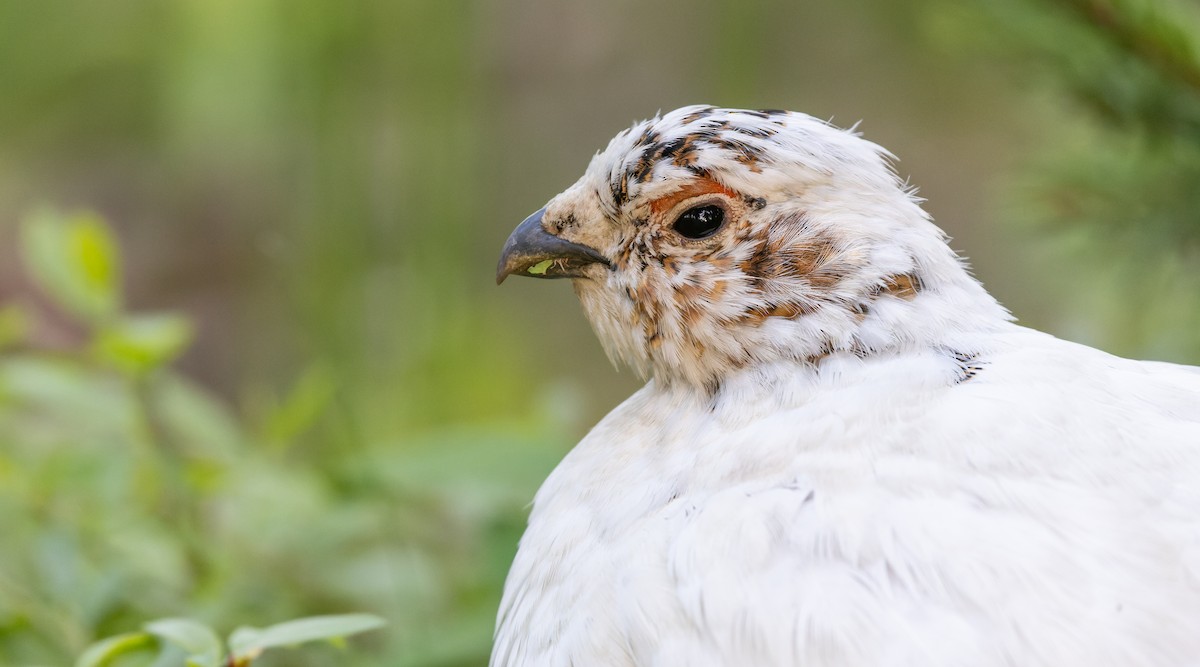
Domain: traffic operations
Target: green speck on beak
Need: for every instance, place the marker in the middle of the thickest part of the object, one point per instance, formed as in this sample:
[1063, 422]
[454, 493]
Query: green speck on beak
[540, 268]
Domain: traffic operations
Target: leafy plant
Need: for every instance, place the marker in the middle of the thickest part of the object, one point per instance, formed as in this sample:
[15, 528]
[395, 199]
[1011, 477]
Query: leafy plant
[180, 641]
[135, 493]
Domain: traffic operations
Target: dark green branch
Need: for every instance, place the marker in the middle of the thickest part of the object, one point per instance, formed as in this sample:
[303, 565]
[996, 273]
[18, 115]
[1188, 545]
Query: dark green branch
[1121, 30]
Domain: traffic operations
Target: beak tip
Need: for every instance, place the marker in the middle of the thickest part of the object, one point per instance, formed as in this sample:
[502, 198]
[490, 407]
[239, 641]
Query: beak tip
[504, 267]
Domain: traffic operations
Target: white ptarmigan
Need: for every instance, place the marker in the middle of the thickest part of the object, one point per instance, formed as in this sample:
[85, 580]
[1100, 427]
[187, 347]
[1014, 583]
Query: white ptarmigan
[846, 454]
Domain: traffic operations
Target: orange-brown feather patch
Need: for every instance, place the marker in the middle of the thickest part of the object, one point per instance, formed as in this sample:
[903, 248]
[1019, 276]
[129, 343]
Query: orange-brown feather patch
[697, 187]
[787, 310]
[904, 286]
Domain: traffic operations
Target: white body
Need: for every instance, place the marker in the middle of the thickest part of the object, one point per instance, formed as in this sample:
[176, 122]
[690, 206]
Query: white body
[877, 512]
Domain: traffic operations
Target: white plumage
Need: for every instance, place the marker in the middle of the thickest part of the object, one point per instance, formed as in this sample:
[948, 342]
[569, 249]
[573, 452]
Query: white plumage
[847, 454]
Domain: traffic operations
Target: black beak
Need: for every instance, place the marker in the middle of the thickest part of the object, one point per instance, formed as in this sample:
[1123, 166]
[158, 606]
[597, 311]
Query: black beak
[532, 251]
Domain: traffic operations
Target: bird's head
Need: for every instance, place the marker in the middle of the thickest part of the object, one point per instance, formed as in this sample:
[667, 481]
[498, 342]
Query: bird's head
[706, 240]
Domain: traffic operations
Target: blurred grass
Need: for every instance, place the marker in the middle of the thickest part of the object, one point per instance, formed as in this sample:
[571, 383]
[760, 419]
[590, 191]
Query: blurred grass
[285, 384]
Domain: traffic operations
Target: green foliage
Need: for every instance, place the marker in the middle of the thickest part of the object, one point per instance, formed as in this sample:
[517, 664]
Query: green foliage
[134, 493]
[182, 642]
[1133, 174]
[200, 644]
[1129, 179]
[1114, 188]
[247, 644]
[106, 651]
[74, 259]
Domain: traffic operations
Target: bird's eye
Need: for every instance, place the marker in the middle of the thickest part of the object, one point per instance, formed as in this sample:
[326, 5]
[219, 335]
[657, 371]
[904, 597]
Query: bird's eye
[700, 222]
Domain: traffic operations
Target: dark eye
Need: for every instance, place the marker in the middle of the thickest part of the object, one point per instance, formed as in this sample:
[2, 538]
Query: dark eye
[700, 222]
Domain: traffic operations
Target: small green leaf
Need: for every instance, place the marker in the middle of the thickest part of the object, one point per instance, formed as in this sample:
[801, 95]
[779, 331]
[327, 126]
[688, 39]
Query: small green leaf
[140, 343]
[74, 259]
[540, 268]
[250, 642]
[105, 651]
[201, 644]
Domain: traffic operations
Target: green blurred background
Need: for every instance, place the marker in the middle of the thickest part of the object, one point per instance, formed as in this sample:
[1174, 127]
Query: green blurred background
[253, 363]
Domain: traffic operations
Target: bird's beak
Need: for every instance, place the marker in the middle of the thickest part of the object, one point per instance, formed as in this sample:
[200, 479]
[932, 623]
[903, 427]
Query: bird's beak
[532, 251]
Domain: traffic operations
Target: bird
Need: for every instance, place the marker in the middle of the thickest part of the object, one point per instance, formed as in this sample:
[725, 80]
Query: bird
[846, 451]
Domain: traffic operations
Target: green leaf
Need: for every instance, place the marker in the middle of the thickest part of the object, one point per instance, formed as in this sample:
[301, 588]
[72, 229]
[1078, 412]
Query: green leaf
[540, 268]
[249, 643]
[196, 639]
[141, 343]
[74, 259]
[105, 651]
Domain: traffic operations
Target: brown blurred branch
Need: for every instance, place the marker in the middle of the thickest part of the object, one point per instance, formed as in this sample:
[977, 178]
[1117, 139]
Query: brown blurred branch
[1122, 31]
